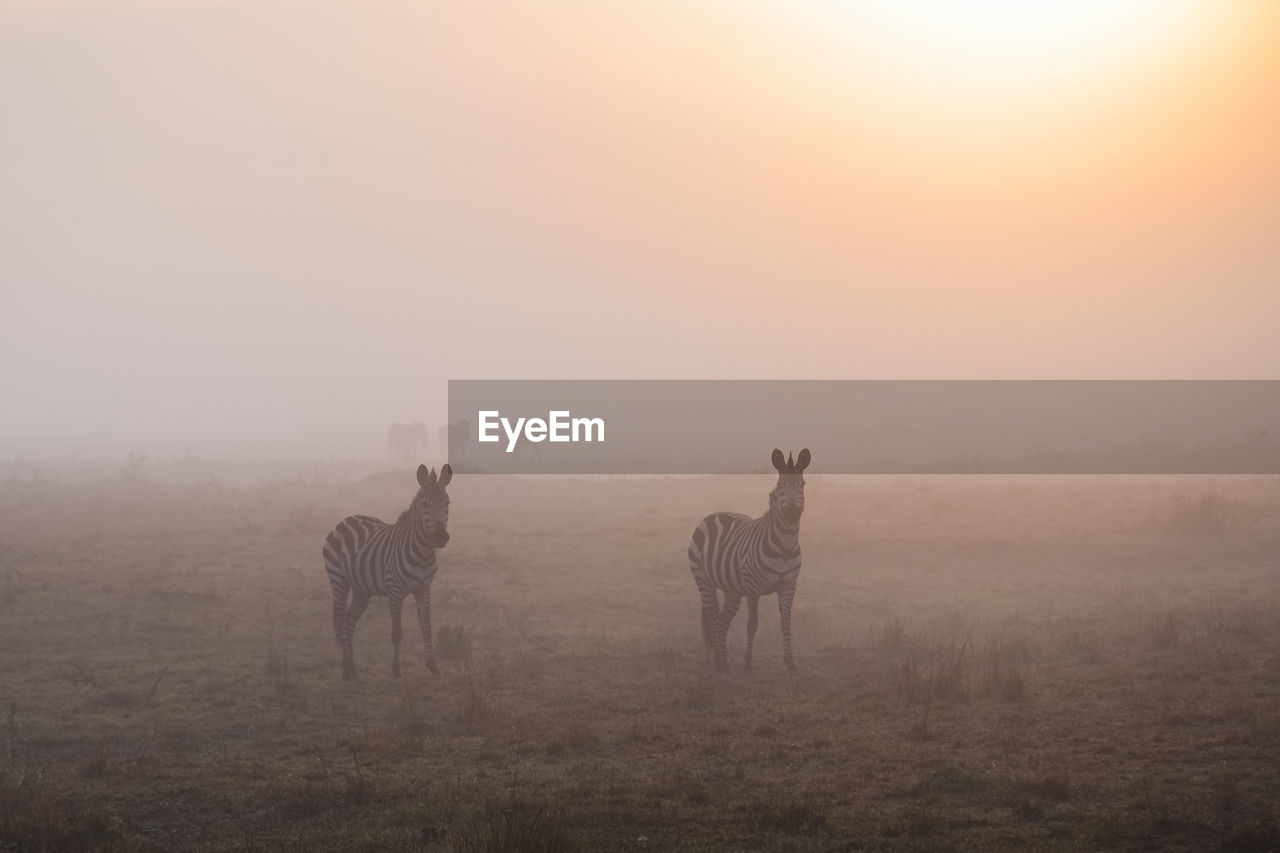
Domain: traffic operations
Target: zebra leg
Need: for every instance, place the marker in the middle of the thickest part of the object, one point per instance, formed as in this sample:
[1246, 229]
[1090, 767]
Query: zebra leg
[732, 600]
[753, 622]
[710, 613]
[423, 597]
[785, 597]
[359, 601]
[394, 602]
[340, 594]
[706, 592]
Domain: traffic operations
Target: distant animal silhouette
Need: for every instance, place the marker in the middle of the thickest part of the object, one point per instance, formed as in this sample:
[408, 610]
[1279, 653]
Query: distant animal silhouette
[404, 440]
[366, 557]
[752, 557]
[455, 437]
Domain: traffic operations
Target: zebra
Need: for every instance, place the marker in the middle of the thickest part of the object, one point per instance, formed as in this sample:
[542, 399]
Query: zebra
[455, 436]
[403, 440]
[365, 556]
[751, 557]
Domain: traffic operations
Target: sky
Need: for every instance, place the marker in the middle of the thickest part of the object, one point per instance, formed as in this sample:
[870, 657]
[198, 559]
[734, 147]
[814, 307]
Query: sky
[279, 227]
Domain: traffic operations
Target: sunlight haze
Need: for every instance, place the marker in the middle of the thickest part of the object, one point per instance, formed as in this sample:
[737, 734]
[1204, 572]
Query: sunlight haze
[286, 225]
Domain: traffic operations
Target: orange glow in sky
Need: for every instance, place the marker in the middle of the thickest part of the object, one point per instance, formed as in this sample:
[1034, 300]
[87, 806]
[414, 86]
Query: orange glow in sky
[921, 188]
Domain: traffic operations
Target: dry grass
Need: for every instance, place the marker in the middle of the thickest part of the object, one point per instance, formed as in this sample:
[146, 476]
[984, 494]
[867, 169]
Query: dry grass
[984, 664]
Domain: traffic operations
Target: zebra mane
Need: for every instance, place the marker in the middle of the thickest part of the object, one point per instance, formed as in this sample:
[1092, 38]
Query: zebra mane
[773, 493]
[408, 512]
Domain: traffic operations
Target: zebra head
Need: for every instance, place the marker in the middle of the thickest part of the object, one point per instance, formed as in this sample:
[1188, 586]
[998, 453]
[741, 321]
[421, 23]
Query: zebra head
[433, 503]
[786, 501]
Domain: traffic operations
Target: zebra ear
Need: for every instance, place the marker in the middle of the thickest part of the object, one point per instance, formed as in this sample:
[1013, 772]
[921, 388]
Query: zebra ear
[778, 461]
[424, 476]
[803, 461]
[446, 474]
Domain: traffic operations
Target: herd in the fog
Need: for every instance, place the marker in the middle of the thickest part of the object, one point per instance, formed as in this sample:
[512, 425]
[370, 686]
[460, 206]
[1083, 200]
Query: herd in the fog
[729, 553]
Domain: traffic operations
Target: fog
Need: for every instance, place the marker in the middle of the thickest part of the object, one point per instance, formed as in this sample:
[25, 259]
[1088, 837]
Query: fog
[274, 228]
[239, 240]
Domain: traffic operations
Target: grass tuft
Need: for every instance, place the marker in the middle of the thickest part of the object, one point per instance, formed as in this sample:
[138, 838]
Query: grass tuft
[1205, 516]
[793, 818]
[506, 827]
[453, 642]
[33, 819]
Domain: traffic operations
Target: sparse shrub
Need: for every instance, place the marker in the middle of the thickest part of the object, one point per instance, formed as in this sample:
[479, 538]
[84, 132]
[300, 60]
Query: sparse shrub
[12, 750]
[580, 737]
[938, 673]
[453, 642]
[303, 520]
[131, 469]
[950, 779]
[666, 655]
[1002, 678]
[330, 789]
[640, 733]
[277, 669]
[893, 634]
[12, 589]
[1027, 809]
[106, 696]
[314, 796]
[1225, 795]
[357, 788]
[920, 820]
[926, 675]
[177, 737]
[413, 723]
[1165, 633]
[519, 619]
[475, 713]
[1055, 788]
[1262, 835]
[31, 818]
[700, 696]
[696, 794]
[117, 699]
[531, 665]
[505, 827]
[1010, 686]
[766, 731]
[919, 730]
[1087, 644]
[96, 763]
[949, 669]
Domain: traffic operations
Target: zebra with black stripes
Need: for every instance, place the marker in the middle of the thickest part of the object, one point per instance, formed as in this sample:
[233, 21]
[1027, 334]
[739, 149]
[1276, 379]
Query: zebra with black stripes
[751, 557]
[367, 557]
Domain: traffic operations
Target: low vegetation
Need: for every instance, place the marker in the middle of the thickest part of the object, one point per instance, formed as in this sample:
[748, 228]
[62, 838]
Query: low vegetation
[1020, 664]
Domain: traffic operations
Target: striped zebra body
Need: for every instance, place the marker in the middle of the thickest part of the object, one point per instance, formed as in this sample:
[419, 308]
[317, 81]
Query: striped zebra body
[751, 557]
[367, 557]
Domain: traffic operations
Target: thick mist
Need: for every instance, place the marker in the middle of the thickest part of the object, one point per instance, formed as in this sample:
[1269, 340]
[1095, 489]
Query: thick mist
[276, 228]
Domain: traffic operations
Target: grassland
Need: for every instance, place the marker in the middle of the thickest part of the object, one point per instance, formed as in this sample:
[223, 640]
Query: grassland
[1085, 664]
